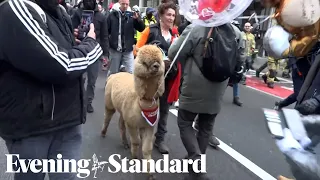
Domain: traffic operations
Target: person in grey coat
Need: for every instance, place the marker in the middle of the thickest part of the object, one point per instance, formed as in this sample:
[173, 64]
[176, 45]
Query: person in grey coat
[213, 141]
[199, 96]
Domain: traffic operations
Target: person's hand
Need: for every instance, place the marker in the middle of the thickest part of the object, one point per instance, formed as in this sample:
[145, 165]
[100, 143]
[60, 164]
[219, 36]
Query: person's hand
[135, 15]
[167, 64]
[308, 106]
[105, 63]
[76, 33]
[288, 142]
[91, 32]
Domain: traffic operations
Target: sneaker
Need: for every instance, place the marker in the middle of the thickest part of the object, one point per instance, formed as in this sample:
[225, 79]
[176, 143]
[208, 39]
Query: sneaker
[122, 68]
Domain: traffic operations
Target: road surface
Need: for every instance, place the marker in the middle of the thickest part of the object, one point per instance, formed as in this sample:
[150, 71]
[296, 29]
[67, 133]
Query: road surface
[247, 152]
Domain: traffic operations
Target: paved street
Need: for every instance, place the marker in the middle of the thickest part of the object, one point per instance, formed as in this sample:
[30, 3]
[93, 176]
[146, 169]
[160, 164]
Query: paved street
[247, 151]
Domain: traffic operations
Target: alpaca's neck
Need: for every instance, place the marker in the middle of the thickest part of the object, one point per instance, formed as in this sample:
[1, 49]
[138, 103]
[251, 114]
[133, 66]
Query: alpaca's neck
[147, 88]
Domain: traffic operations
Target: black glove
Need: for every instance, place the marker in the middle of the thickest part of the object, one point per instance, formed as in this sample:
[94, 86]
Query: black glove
[308, 106]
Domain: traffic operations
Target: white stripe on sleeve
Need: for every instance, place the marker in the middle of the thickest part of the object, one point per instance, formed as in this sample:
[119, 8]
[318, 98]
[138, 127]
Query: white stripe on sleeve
[21, 11]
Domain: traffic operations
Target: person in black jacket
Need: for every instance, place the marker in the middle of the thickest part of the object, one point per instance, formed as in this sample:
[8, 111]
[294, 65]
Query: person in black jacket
[101, 29]
[121, 27]
[163, 35]
[66, 7]
[42, 89]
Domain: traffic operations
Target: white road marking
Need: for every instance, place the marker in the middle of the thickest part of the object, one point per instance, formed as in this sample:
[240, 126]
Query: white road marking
[288, 88]
[236, 155]
[240, 158]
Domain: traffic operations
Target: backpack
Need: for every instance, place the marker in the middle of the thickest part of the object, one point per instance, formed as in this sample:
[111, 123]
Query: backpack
[220, 54]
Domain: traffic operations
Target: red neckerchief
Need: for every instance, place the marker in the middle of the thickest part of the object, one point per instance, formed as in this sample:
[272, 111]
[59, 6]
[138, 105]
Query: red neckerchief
[150, 115]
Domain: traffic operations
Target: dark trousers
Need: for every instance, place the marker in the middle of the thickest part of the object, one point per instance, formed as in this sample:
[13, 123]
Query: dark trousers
[66, 142]
[195, 144]
[162, 124]
[248, 63]
[297, 83]
[92, 75]
[261, 68]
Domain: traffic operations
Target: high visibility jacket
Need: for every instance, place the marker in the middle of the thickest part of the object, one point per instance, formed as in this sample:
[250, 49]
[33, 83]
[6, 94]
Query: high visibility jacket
[146, 22]
[250, 43]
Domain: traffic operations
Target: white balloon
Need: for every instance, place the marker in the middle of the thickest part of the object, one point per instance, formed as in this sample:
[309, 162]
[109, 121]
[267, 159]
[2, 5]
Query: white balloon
[301, 13]
[192, 13]
[276, 41]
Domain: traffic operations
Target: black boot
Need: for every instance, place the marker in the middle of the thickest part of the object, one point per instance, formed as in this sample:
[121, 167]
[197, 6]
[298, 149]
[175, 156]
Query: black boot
[213, 141]
[264, 77]
[257, 74]
[270, 85]
[236, 101]
[196, 176]
[162, 147]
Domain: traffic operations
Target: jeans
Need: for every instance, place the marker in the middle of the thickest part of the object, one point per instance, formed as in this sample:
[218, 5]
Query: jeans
[235, 89]
[121, 58]
[66, 142]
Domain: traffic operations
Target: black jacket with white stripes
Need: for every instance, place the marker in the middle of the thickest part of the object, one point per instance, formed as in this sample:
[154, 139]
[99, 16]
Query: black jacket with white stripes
[41, 67]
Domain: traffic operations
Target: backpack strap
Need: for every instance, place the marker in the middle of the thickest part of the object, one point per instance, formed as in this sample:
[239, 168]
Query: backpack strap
[204, 49]
[207, 41]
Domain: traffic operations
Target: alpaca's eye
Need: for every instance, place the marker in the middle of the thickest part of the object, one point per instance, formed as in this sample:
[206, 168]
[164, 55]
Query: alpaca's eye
[145, 64]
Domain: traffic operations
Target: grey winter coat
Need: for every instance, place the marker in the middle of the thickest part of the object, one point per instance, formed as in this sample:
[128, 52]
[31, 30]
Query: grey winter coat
[198, 95]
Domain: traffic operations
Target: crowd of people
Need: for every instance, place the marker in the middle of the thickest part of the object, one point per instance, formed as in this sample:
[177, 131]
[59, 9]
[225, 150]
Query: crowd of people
[43, 100]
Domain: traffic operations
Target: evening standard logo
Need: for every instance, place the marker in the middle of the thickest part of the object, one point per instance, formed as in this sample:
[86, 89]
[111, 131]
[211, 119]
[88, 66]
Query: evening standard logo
[84, 167]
